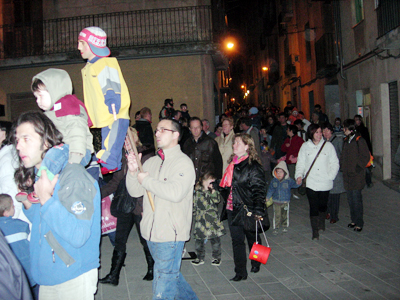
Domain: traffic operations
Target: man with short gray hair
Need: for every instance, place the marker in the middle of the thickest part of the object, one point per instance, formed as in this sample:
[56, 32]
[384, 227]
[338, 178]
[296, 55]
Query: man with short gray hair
[206, 129]
[202, 150]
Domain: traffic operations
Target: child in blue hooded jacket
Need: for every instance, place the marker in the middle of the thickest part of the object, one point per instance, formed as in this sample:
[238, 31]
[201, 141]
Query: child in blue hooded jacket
[16, 233]
[280, 191]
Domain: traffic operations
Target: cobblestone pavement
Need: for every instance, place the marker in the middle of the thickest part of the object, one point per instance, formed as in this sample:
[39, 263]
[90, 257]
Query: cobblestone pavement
[343, 264]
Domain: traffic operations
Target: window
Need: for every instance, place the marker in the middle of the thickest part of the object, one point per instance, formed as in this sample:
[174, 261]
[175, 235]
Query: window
[357, 11]
[307, 33]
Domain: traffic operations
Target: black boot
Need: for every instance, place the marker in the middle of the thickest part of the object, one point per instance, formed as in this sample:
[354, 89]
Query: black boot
[117, 262]
[314, 227]
[150, 265]
[321, 223]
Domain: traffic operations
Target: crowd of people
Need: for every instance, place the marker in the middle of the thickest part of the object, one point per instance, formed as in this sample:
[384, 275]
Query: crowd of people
[54, 175]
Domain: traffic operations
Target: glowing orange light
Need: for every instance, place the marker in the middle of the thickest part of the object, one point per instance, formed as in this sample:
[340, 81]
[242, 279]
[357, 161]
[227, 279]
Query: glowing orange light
[230, 45]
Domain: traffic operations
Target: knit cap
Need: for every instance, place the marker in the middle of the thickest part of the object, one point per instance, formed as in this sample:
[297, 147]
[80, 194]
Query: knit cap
[96, 39]
[253, 111]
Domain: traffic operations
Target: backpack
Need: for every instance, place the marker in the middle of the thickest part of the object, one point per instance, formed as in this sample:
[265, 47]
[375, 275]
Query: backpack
[371, 158]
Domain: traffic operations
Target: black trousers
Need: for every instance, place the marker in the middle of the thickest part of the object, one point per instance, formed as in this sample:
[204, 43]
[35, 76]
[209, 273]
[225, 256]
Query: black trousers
[125, 223]
[333, 206]
[238, 234]
[318, 201]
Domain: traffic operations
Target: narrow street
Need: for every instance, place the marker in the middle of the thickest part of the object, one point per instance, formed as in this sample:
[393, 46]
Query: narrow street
[343, 264]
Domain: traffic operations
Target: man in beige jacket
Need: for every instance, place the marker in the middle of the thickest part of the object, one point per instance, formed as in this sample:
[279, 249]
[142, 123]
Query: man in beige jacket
[170, 178]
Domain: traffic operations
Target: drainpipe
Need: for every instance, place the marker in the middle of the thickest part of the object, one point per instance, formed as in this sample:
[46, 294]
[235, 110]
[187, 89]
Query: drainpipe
[338, 36]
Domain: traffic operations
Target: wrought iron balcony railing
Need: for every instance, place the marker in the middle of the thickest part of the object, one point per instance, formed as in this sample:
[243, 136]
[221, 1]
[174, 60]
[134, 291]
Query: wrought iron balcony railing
[388, 13]
[133, 29]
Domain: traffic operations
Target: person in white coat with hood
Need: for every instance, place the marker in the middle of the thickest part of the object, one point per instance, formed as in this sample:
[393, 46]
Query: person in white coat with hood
[320, 179]
[8, 164]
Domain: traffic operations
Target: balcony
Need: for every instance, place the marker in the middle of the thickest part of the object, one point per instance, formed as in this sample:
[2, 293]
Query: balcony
[325, 54]
[133, 30]
[388, 13]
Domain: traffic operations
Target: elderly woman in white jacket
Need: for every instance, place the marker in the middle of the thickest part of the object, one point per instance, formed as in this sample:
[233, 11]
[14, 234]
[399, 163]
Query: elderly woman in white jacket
[320, 179]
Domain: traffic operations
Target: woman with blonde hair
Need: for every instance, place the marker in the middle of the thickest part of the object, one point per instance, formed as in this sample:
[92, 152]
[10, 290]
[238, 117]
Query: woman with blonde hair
[244, 179]
[225, 140]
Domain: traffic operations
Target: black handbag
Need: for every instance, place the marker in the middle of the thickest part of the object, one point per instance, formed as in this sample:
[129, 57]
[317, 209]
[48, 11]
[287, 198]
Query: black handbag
[247, 219]
[122, 203]
[302, 188]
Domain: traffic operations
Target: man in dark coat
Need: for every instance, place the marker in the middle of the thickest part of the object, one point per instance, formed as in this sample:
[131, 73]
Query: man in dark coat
[168, 110]
[279, 135]
[354, 158]
[323, 118]
[363, 131]
[202, 150]
[144, 129]
[184, 111]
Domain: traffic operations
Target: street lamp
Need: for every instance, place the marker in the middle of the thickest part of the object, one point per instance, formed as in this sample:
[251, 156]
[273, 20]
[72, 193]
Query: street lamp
[229, 43]
[265, 68]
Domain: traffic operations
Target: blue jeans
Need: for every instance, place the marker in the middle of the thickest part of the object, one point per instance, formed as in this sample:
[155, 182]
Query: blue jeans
[111, 236]
[168, 282]
[56, 159]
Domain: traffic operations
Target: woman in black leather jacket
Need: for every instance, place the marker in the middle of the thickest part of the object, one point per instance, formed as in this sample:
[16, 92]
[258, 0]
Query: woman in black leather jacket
[245, 181]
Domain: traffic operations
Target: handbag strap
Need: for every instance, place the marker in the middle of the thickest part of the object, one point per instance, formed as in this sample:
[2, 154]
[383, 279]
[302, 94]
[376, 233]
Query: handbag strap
[314, 160]
[265, 237]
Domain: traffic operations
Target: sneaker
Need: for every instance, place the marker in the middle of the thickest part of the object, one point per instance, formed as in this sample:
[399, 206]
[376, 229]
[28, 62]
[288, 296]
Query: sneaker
[216, 262]
[21, 196]
[105, 171]
[275, 231]
[197, 262]
[284, 230]
[33, 198]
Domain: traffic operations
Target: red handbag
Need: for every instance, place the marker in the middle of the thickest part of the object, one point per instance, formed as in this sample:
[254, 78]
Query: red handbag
[259, 252]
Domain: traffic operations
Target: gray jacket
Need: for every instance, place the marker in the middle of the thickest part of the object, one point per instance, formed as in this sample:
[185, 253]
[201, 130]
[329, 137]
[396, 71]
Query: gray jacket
[338, 186]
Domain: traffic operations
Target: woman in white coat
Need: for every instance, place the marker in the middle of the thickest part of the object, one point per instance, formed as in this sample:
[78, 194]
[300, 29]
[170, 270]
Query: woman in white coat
[320, 179]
